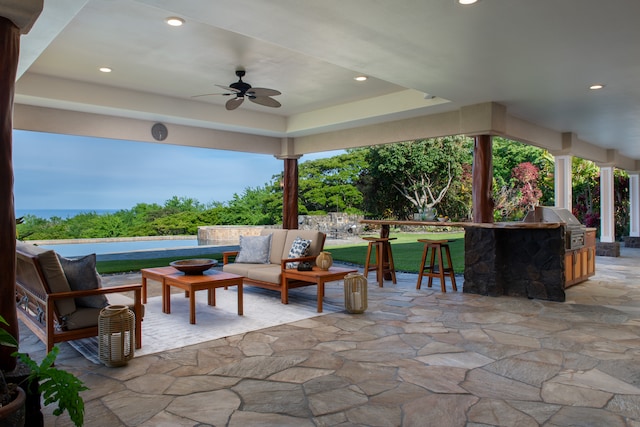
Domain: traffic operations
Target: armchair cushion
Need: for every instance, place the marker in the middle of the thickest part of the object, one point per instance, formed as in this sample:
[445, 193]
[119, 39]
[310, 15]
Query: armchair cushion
[254, 249]
[82, 275]
[52, 271]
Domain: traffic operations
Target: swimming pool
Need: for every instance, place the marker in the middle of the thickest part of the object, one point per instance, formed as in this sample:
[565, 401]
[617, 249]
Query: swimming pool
[99, 248]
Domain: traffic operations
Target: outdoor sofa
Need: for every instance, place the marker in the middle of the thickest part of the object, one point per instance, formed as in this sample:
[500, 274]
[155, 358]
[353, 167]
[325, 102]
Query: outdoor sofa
[263, 259]
[60, 299]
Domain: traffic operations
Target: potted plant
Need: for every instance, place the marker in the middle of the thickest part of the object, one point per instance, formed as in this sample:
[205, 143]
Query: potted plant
[55, 385]
[12, 397]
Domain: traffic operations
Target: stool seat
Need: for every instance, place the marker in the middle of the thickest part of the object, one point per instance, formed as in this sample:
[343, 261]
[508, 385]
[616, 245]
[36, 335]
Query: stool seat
[383, 258]
[429, 270]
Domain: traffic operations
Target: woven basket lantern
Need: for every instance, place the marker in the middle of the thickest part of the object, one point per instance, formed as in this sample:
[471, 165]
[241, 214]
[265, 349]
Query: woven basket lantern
[116, 335]
[355, 293]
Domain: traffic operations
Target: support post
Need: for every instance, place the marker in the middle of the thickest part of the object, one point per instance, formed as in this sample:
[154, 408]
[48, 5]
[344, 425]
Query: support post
[607, 246]
[562, 184]
[481, 191]
[290, 194]
[634, 204]
[9, 51]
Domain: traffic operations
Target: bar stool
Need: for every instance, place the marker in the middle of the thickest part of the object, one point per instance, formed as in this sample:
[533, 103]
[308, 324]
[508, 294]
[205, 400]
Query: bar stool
[384, 258]
[436, 247]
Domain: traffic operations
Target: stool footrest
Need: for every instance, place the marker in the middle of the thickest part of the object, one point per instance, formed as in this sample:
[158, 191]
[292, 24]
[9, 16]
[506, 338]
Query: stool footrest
[383, 258]
[436, 268]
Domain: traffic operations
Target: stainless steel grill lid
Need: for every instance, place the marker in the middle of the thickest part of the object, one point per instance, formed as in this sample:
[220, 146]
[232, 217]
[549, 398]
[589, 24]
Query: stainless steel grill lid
[575, 231]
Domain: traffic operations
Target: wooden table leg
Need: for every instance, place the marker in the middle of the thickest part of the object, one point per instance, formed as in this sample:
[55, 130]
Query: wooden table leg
[144, 290]
[285, 292]
[320, 294]
[211, 297]
[240, 300]
[166, 299]
[192, 307]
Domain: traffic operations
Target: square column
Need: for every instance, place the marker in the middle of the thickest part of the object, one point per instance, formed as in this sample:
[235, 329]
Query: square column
[563, 177]
[607, 245]
[634, 204]
[633, 239]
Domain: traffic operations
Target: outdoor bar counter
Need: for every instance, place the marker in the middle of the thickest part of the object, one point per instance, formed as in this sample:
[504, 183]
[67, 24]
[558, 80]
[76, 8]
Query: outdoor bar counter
[507, 258]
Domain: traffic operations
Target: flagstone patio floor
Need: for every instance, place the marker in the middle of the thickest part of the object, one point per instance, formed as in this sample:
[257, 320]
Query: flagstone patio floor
[414, 358]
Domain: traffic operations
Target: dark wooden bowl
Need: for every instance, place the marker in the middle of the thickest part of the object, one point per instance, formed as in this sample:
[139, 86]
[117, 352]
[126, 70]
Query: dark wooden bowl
[193, 266]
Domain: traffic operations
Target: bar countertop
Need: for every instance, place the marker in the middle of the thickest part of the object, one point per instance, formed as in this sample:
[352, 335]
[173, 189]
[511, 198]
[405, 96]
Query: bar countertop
[518, 225]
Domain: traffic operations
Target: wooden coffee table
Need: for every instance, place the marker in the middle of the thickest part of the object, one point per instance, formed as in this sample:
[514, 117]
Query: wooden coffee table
[210, 280]
[158, 274]
[314, 276]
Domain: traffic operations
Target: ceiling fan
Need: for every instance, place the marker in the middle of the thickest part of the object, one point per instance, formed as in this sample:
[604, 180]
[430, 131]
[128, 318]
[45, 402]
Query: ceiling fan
[242, 90]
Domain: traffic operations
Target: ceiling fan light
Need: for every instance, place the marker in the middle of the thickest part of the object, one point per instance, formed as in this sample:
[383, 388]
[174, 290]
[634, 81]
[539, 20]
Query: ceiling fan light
[174, 21]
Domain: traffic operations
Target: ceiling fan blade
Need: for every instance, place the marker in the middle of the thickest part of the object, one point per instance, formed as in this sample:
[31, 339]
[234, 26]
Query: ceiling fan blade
[263, 91]
[229, 89]
[210, 94]
[234, 103]
[265, 100]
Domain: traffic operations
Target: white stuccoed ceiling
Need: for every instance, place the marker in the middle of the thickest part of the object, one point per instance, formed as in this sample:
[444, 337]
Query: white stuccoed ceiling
[536, 57]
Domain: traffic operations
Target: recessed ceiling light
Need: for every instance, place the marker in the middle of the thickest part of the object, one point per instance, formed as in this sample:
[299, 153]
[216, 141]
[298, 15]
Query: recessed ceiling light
[360, 78]
[105, 69]
[174, 21]
[596, 86]
[467, 1]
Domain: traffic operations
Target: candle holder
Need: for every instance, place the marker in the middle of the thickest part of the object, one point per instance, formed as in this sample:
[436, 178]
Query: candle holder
[355, 293]
[116, 335]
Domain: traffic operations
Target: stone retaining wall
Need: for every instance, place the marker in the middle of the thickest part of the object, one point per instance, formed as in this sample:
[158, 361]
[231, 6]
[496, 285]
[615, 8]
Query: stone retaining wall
[227, 234]
[335, 225]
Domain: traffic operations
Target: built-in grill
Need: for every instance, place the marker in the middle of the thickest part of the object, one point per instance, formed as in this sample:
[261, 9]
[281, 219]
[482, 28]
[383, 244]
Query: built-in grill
[574, 231]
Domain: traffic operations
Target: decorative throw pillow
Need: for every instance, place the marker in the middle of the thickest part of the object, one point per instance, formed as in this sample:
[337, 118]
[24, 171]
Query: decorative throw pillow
[82, 275]
[299, 248]
[254, 249]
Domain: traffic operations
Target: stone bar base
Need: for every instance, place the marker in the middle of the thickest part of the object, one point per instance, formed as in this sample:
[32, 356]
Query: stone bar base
[611, 249]
[631, 242]
[517, 262]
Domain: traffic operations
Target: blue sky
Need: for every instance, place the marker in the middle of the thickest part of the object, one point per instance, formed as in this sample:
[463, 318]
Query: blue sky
[55, 171]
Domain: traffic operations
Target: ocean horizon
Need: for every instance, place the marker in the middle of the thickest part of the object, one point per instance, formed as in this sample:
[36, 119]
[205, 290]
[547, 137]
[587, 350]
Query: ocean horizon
[61, 213]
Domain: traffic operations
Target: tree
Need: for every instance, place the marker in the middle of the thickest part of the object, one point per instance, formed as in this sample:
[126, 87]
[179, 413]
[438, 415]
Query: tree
[408, 176]
[330, 184]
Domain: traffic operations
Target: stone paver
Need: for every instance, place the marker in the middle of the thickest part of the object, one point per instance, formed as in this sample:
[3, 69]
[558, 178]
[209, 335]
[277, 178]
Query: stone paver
[414, 358]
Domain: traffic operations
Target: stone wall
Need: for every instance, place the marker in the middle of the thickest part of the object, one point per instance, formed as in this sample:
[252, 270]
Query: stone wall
[335, 225]
[517, 262]
[611, 249]
[227, 234]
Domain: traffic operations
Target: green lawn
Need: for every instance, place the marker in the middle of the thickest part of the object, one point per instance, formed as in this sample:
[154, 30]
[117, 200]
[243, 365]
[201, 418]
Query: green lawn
[407, 252]
[124, 266]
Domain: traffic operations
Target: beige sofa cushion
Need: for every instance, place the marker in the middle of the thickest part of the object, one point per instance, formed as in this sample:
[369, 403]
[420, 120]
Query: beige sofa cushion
[243, 269]
[271, 274]
[277, 243]
[53, 274]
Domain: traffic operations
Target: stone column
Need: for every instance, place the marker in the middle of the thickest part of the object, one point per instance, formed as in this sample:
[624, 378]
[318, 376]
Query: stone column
[607, 245]
[481, 191]
[633, 240]
[562, 182]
